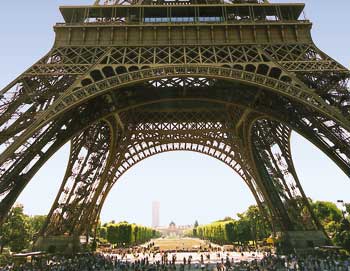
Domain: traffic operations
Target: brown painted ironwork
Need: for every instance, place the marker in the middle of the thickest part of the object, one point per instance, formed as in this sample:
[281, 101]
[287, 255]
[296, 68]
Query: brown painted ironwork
[126, 80]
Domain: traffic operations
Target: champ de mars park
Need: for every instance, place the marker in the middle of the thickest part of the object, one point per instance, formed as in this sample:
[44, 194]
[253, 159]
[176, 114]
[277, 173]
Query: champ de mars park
[241, 106]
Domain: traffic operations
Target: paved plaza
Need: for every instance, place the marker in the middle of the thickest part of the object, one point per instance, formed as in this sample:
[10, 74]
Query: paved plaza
[175, 247]
[196, 256]
[179, 243]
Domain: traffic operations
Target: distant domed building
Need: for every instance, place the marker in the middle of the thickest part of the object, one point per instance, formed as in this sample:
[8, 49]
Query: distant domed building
[172, 230]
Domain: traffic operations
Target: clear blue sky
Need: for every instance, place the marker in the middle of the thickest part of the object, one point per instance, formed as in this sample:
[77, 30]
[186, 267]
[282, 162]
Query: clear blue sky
[189, 186]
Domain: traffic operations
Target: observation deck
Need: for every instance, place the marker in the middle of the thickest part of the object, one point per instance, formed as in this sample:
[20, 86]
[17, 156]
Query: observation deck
[182, 12]
[182, 23]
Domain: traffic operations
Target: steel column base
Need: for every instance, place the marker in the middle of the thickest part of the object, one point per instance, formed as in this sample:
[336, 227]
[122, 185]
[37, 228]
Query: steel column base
[58, 244]
[301, 240]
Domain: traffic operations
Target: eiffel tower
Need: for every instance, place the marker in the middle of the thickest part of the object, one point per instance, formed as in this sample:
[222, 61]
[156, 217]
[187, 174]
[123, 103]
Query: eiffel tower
[126, 80]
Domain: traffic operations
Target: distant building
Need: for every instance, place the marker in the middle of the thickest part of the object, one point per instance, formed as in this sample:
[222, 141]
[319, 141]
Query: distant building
[155, 214]
[173, 230]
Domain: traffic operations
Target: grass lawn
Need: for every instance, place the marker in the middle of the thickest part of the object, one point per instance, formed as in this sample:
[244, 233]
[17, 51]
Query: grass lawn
[178, 243]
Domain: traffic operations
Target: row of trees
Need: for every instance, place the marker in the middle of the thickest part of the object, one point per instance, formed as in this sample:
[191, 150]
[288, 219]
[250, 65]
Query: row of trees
[218, 232]
[18, 232]
[250, 226]
[19, 229]
[125, 234]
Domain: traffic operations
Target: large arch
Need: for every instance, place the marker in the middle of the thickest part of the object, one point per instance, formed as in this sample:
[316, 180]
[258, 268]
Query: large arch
[212, 141]
[77, 94]
[258, 97]
[189, 186]
[145, 140]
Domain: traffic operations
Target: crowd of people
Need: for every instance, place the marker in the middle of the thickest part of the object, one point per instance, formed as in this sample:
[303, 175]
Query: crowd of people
[170, 262]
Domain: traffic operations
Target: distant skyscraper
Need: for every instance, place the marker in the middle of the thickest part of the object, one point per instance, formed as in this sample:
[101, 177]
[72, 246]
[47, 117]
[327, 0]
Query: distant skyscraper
[155, 214]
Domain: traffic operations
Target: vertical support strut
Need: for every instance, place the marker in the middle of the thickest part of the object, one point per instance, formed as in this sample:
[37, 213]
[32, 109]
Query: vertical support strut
[91, 155]
[270, 148]
[20, 169]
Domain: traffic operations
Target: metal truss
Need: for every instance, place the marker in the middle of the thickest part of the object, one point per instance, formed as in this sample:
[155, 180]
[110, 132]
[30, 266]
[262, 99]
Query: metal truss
[140, 141]
[118, 105]
[271, 150]
[212, 133]
[77, 60]
[90, 157]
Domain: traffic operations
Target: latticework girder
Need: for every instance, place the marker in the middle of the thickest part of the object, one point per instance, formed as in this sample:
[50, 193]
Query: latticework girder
[88, 160]
[148, 134]
[271, 151]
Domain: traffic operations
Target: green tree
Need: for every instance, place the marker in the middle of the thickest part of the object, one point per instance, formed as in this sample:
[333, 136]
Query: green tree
[347, 209]
[332, 228]
[260, 227]
[342, 238]
[333, 222]
[112, 234]
[243, 230]
[326, 211]
[36, 223]
[128, 234]
[230, 231]
[195, 226]
[251, 225]
[16, 231]
[103, 232]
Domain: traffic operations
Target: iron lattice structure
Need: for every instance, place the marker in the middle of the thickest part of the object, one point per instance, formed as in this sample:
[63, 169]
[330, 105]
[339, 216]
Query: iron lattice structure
[128, 80]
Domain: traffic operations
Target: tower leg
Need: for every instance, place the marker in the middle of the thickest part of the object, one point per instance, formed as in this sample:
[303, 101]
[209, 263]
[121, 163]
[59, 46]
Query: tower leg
[272, 163]
[72, 214]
